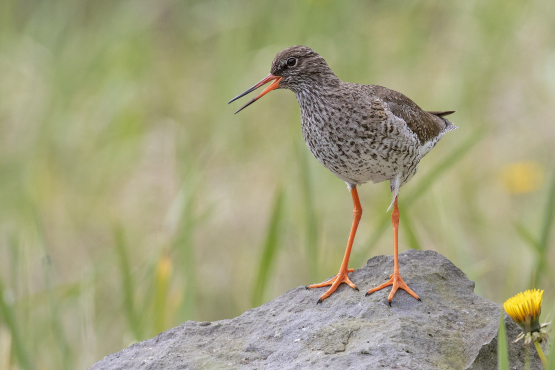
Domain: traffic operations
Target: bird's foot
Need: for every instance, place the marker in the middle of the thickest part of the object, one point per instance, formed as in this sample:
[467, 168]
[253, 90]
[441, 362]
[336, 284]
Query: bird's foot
[397, 282]
[335, 281]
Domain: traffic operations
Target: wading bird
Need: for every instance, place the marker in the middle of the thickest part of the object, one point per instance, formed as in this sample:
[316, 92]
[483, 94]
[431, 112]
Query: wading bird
[360, 133]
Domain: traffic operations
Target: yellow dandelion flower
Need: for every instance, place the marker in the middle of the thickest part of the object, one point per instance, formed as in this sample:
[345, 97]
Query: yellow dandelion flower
[525, 308]
[522, 177]
[164, 268]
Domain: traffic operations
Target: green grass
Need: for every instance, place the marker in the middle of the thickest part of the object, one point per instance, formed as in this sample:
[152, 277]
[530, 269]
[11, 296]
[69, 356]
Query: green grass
[128, 284]
[541, 244]
[8, 317]
[546, 232]
[269, 250]
[502, 348]
[132, 199]
[551, 358]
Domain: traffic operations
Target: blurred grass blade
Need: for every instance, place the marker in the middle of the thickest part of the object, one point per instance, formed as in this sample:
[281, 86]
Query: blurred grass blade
[8, 317]
[412, 240]
[55, 315]
[423, 185]
[453, 157]
[374, 238]
[269, 249]
[16, 255]
[127, 283]
[549, 213]
[527, 236]
[161, 287]
[502, 349]
[542, 260]
[56, 320]
[5, 347]
[184, 223]
[311, 219]
[551, 359]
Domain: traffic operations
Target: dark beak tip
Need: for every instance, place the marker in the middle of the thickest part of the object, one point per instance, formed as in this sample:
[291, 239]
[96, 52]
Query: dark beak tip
[259, 84]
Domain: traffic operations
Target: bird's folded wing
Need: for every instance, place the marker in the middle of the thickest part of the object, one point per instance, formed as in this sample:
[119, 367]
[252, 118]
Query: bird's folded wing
[425, 125]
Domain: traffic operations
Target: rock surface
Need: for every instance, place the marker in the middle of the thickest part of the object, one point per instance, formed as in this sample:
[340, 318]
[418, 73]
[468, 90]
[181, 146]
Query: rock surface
[451, 328]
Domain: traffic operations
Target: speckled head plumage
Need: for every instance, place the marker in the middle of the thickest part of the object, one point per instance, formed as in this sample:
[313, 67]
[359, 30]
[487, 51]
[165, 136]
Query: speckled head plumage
[301, 67]
[295, 68]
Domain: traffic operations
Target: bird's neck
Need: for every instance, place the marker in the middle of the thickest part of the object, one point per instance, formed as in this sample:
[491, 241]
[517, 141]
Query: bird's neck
[317, 88]
[317, 83]
[317, 102]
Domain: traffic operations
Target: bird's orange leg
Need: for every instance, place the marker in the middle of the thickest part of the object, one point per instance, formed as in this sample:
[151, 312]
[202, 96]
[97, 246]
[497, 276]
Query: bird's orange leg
[395, 278]
[342, 276]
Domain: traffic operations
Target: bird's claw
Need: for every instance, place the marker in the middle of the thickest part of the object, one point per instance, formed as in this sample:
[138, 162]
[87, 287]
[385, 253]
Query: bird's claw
[398, 283]
[341, 277]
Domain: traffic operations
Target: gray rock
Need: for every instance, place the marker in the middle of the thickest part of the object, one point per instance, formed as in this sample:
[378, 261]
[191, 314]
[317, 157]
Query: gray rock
[451, 328]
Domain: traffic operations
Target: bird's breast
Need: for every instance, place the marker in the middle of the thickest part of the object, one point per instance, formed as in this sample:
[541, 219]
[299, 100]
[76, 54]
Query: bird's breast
[357, 142]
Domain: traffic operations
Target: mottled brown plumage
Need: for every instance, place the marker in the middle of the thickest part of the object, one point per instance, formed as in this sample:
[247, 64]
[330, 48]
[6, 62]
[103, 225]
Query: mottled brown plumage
[360, 133]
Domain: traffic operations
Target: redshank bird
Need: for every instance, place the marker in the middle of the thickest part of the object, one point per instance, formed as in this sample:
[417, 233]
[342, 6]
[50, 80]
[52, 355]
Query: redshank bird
[360, 133]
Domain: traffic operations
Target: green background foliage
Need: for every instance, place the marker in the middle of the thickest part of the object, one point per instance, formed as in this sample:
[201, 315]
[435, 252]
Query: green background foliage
[132, 199]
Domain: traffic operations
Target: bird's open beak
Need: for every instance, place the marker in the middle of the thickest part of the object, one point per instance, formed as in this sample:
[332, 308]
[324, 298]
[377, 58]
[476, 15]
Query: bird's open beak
[264, 81]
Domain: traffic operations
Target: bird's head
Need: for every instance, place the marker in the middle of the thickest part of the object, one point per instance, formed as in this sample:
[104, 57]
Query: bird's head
[295, 68]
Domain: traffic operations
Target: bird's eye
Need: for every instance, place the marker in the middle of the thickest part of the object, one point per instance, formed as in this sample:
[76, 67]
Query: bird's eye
[291, 62]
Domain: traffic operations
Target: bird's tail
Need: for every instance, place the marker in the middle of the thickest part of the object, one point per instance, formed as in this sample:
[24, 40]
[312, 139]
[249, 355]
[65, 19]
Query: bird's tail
[449, 126]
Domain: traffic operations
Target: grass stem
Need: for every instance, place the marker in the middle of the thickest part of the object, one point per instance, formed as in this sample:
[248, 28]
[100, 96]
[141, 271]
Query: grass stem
[540, 353]
[502, 349]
